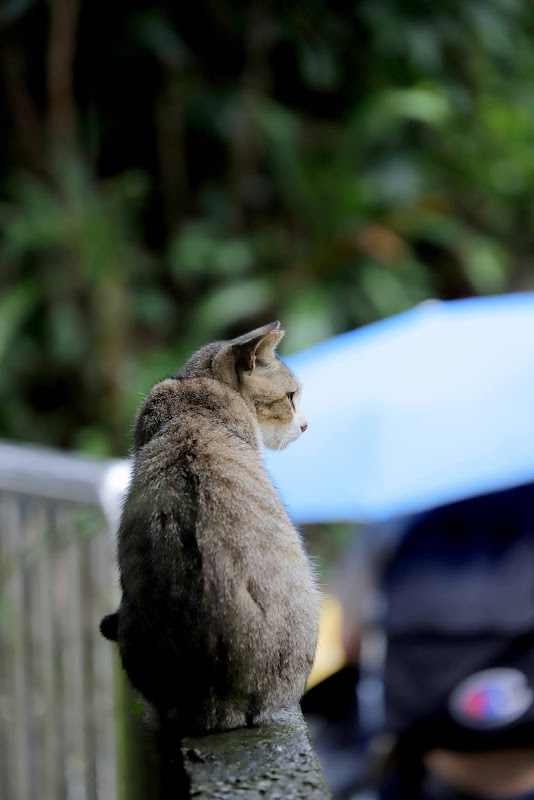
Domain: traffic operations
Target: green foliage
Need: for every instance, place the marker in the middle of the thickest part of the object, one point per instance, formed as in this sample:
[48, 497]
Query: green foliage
[230, 167]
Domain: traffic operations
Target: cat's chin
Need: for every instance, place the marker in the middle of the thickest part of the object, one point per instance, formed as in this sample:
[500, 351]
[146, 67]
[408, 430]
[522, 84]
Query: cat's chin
[277, 446]
[277, 439]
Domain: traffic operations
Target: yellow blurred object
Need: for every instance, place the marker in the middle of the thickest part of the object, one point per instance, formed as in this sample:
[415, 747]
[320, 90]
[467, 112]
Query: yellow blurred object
[330, 655]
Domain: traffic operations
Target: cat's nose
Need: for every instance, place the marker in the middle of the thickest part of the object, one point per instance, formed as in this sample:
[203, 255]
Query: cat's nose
[304, 427]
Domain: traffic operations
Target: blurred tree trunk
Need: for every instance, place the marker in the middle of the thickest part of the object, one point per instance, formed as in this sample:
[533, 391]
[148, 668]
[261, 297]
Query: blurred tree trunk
[25, 118]
[170, 130]
[62, 125]
[245, 153]
[110, 321]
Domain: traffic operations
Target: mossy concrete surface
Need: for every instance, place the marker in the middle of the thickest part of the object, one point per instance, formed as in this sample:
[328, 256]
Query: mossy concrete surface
[272, 762]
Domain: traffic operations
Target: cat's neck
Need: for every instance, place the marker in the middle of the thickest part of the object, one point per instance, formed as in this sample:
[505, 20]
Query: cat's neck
[219, 403]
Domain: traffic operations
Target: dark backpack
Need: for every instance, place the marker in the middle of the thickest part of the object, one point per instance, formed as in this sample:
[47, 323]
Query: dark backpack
[459, 624]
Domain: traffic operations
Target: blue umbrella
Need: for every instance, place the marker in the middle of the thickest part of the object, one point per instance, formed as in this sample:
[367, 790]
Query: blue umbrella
[424, 408]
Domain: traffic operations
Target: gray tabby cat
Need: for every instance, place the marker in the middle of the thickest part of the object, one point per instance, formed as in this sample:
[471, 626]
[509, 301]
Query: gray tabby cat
[217, 625]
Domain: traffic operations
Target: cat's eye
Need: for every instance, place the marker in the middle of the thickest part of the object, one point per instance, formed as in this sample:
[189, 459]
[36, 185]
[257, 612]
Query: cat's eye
[290, 396]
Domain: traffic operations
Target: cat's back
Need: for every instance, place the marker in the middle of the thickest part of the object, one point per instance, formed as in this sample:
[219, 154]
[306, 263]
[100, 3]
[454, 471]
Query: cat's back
[199, 436]
[198, 425]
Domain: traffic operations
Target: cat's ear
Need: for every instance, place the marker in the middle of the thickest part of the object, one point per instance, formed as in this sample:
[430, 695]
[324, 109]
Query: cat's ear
[240, 354]
[257, 344]
[266, 346]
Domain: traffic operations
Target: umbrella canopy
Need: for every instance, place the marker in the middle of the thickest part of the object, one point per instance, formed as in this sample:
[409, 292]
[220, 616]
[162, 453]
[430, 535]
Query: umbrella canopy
[424, 408]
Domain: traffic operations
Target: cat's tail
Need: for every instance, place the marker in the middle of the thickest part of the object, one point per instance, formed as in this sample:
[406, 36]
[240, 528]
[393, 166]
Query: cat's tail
[109, 627]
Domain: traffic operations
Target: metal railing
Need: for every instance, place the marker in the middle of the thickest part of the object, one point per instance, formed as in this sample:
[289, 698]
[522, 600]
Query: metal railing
[57, 720]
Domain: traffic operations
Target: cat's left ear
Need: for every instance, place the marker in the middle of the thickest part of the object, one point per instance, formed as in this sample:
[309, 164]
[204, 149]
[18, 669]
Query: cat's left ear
[257, 345]
[240, 354]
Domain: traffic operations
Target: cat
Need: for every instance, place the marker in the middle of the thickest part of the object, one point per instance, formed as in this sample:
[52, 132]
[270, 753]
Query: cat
[217, 625]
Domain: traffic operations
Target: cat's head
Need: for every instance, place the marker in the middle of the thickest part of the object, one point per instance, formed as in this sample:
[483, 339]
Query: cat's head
[249, 365]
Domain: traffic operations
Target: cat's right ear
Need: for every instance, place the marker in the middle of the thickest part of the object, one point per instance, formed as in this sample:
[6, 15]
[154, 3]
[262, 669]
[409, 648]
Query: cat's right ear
[239, 355]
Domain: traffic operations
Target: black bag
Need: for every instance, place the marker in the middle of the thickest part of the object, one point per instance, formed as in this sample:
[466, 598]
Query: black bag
[459, 624]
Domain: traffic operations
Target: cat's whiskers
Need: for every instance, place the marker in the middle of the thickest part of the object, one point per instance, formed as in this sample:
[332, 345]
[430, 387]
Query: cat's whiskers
[278, 438]
[281, 440]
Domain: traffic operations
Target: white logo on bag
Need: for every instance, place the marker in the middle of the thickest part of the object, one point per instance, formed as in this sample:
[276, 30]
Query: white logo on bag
[491, 698]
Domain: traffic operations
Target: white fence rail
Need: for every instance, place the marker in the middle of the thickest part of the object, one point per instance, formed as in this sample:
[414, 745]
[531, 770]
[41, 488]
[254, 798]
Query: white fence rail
[57, 721]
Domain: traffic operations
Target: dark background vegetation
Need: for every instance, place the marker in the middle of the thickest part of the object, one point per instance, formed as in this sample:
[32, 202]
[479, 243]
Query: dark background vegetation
[171, 173]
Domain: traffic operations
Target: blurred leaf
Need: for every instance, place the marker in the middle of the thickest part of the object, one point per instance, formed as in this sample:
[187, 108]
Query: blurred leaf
[226, 305]
[153, 307]
[34, 220]
[192, 252]
[307, 319]
[68, 339]
[396, 180]
[280, 130]
[387, 292]
[318, 67]
[419, 104]
[93, 441]
[11, 10]
[199, 251]
[486, 264]
[16, 304]
[234, 257]
[159, 37]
